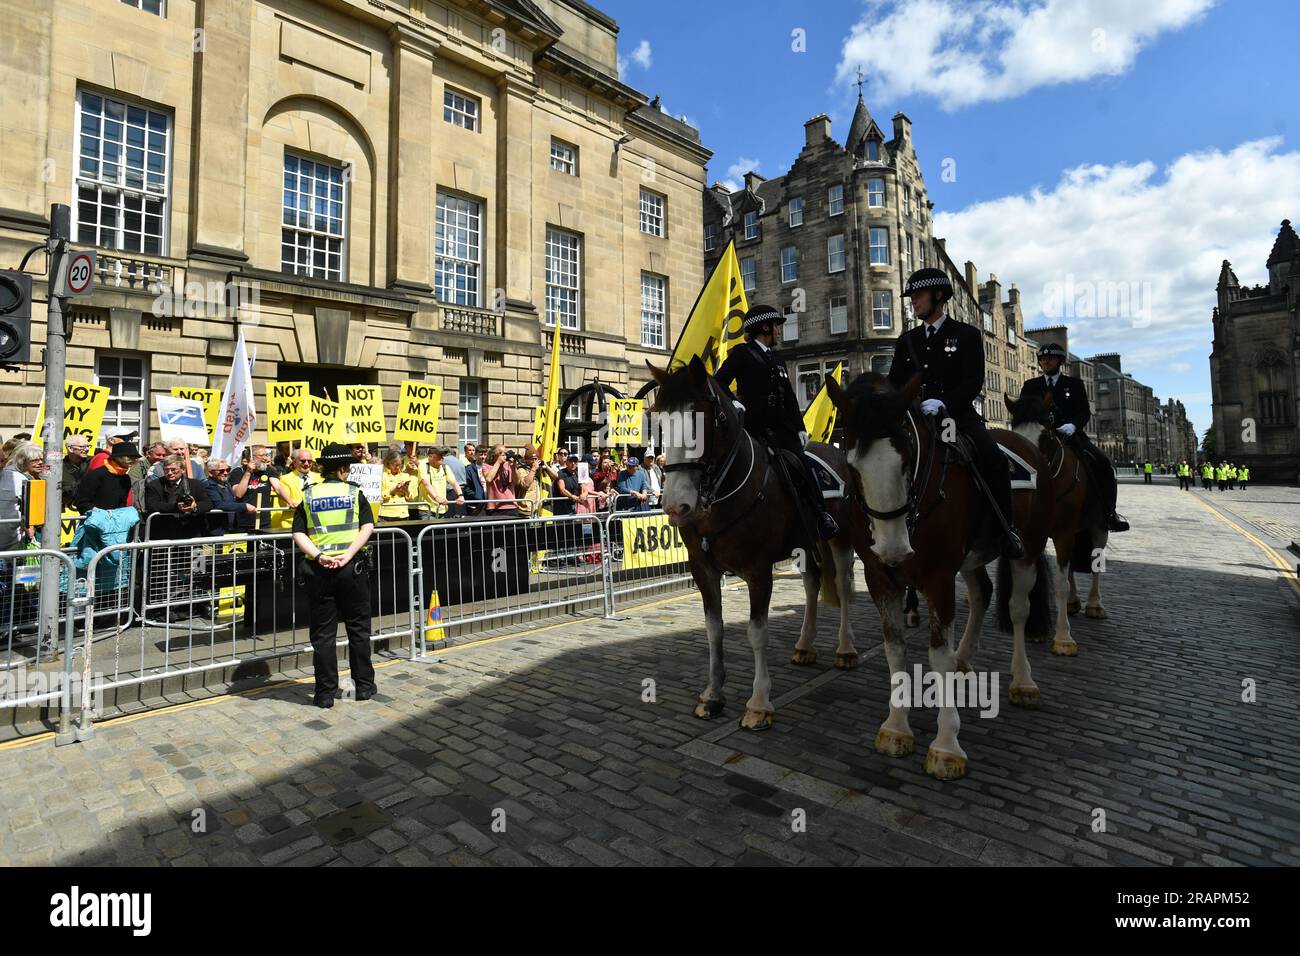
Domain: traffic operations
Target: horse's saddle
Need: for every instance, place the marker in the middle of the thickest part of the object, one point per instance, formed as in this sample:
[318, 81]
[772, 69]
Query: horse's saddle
[829, 482]
[1024, 476]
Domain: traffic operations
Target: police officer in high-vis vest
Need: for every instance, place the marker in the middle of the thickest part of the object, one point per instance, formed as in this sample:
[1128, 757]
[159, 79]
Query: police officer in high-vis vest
[331, 526]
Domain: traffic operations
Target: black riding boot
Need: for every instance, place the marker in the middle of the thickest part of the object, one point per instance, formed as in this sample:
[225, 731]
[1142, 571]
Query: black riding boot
[827, 527]
[1000, 485]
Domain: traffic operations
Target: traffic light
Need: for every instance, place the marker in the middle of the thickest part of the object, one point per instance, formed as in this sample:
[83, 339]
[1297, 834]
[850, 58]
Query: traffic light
[15, 317]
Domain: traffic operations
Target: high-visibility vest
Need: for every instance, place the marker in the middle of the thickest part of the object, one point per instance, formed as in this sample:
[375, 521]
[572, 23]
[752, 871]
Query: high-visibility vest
[1147, 468]
[1184, 470]
[1245, 474]
[1232, 471]
[1220, 473]
[333, 511]
[1206, 471]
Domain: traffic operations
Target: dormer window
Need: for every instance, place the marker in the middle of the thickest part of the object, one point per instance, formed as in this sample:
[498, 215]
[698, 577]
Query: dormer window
[873, 150]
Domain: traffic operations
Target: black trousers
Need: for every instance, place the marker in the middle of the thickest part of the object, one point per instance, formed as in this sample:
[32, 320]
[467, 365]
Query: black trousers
[780, 438]
[1100, 471]
[341, 592]
[990, 461]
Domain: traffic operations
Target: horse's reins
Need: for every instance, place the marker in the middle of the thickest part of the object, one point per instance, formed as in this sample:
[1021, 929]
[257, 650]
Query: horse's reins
[911, 507]
[1078, 460]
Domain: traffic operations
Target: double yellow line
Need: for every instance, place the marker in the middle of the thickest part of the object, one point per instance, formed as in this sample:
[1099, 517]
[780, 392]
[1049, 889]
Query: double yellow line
[1288, 572]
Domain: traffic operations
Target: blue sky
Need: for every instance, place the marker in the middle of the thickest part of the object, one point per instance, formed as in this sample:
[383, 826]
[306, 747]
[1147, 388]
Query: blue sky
[1108, 154]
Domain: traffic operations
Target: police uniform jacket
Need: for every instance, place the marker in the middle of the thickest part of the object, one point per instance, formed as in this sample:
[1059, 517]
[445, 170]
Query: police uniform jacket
[951, 364]
[763, 387]
[1069, 400]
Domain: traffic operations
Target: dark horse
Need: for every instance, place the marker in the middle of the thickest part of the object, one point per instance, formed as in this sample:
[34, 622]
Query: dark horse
[929, 522]
[737, 516]
[1079, 525]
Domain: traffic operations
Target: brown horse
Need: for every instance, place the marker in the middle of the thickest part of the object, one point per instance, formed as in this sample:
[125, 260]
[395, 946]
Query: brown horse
[1079, 525]
[929, 522]
[737, 516]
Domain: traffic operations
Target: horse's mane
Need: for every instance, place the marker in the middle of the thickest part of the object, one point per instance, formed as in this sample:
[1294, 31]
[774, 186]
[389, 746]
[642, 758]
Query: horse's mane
[1025, 411]
[874, 406]
[677, 389]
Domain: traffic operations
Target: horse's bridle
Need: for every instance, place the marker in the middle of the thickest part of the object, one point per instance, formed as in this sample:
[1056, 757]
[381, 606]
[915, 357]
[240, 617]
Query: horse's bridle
[713, 475]
[911, 507]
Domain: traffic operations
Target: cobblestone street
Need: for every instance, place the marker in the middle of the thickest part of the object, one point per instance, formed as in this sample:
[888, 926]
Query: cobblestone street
[537, 748]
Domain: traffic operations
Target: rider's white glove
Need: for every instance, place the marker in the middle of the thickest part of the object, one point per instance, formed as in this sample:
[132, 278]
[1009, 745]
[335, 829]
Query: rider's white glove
[1067, 429]
[803, 439]
[931, 406]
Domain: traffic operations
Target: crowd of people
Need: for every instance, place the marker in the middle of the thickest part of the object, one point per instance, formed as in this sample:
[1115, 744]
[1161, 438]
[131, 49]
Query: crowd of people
[183, 493]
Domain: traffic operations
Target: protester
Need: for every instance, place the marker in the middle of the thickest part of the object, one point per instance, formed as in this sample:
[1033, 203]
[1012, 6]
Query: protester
[227, 508]
[654, 477]
[23, 465]
[290, 486]
[633, 487]
[499, 479]
[200, 454]
[180, 502]
[76, 461]
[7, 449]
[360, 453]
[190, 468]
[153, 456]
[283, 459]
[455, 467]
[399, 487]
[439, 488]
[117, 437]
[253, 484]
[566, 487]
[108, 487]
[473, 486]
[527, 488]
[605, 471]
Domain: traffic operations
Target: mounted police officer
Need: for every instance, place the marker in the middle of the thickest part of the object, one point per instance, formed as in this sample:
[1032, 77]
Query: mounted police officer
[330, 527]
[1069, 415]
[949, 357]
[771, 412]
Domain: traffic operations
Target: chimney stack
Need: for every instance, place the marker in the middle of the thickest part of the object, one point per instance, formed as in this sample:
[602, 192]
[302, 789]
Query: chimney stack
[902, 129]
[817, 130]
[752, 179]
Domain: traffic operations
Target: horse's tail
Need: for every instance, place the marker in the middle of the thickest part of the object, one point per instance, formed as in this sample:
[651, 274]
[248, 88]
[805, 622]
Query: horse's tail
[1040, 621]
[830, 593]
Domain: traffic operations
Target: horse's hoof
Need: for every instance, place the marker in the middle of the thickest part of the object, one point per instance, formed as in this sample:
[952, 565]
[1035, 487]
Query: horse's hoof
[892, 743]
[708, 709]
[803, 658]
[963, 667]
[1034, 638]
[1072, 607]
[945, 766]
[911, 619]
[1096, 612]
[1066, 648]
[1027, 696]
[757, 719]
[846, 661]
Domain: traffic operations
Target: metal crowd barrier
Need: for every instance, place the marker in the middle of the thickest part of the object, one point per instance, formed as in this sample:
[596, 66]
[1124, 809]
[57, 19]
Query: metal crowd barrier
[646, 557]
[30, 672]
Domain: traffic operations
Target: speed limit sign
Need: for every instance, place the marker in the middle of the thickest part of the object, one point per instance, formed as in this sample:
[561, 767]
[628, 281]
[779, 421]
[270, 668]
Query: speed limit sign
[77, 275]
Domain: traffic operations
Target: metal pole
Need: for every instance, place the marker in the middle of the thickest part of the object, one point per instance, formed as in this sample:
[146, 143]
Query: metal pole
[56, 343]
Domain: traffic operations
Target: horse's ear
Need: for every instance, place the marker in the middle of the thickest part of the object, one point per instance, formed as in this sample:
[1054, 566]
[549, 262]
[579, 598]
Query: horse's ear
[835, 393]
[698, 372]
[660, 374]
[911, 390]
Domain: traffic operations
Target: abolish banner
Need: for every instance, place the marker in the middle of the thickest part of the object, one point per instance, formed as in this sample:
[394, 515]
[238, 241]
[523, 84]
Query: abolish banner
[362, 414]
[285, 411]
[83, 412]
[650, 542]
[417, 413]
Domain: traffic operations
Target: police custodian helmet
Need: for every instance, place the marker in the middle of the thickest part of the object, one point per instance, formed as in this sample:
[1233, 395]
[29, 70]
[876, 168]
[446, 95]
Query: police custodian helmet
[928, 279]
[1052, 350]
[760, 315]
[334, 456]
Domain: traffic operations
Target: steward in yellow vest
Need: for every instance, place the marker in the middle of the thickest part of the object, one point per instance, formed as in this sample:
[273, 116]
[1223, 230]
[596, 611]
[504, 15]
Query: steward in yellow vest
[330, 527]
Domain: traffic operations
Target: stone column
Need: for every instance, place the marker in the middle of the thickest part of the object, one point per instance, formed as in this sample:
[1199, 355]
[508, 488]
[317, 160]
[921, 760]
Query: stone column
[410, 174]
[220, 136]
[514, 241]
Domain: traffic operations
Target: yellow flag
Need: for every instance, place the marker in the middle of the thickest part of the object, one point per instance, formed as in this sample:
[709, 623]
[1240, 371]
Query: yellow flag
[819, 418]
[714, 324]
[551, 426]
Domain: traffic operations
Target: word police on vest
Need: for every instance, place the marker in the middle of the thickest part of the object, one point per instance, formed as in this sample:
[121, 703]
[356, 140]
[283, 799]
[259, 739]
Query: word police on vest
[76, 909]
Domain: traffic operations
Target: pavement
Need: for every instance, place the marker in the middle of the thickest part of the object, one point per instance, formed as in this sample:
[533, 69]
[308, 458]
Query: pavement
[1172, 738]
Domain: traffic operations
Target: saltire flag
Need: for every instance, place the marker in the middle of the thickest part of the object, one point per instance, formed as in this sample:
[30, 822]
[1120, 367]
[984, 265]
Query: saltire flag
[819, 417]
[715, 321]
[238, 415]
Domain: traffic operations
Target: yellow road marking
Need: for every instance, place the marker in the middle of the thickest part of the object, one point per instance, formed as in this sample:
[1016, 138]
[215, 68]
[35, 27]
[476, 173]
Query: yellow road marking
[1289, 572]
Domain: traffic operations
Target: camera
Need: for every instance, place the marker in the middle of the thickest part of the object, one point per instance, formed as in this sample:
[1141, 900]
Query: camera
[185, 500]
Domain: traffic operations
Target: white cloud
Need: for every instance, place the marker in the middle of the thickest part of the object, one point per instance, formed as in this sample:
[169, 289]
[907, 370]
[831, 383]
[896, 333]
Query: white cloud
[735, 178]
[638, 57]
[1128, 255]
[968, 51]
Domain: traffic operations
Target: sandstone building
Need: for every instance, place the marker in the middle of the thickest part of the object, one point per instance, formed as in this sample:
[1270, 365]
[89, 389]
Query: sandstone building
[375, 192]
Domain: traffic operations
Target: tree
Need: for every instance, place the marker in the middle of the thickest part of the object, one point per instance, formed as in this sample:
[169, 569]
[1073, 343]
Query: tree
[1208, 449]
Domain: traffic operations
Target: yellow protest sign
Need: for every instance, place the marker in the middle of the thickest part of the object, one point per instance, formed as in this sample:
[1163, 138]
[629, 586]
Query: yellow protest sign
[417, 413]
[362, 414]
[320, 423]
[83, 412]
[650, 542]
[285, 411]
[625, 421]
[819, 419]
[211, 399]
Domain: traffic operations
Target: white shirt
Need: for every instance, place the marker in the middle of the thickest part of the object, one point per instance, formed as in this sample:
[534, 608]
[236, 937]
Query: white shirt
[933, 329]
[1051, 379]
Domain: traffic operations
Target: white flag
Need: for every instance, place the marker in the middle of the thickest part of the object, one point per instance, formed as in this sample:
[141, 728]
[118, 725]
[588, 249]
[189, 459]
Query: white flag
[238, 415]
